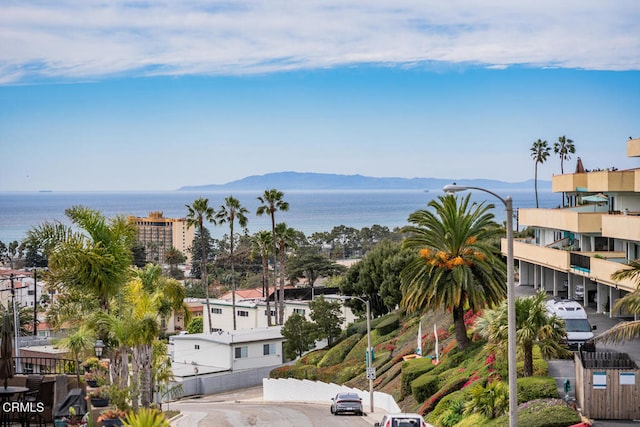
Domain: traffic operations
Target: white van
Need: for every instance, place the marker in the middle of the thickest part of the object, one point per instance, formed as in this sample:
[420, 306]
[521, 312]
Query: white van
[579, 330]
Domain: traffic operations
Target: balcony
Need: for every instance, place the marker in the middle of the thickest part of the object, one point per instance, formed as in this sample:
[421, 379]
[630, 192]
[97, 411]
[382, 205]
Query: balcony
[562, 219]
[624, 227]
[602, 269]
[568, 182]
[548, 257]
[633, 147]
[596, 181]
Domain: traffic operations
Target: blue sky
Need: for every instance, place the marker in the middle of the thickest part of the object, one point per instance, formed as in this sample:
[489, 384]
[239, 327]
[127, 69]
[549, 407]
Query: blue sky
[146, 95]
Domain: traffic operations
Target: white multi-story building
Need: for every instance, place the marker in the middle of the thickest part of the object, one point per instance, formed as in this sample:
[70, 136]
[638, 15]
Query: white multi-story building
[577, 248]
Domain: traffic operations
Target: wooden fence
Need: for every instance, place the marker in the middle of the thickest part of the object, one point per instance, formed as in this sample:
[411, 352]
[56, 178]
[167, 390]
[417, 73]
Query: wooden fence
[607, 385]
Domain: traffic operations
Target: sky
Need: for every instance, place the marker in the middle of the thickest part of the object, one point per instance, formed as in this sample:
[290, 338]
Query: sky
[155, 95]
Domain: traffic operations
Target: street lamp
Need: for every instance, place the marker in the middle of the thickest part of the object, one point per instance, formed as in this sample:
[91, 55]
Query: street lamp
[511, 299]
[98, 348]
[369, 350]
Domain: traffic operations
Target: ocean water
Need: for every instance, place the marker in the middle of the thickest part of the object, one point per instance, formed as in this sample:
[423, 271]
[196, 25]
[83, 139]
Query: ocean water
[309, 211]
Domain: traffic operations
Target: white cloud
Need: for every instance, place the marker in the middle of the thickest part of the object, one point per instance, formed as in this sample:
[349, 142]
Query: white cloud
[72, 39]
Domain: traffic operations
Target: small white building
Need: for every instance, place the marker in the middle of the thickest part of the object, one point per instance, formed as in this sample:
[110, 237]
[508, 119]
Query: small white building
[226, 351]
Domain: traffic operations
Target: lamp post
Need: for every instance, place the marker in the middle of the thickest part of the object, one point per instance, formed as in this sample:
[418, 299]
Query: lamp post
[369, 352]
[98, 348]
[511, 299]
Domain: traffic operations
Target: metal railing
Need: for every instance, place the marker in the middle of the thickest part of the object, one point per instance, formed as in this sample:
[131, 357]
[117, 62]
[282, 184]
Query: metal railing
[46, 365]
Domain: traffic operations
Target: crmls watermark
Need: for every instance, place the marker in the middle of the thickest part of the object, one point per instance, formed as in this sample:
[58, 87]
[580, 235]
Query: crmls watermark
[22, 407]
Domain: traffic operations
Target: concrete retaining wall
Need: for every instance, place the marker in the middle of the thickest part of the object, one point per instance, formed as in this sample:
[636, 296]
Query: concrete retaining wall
[292, 390]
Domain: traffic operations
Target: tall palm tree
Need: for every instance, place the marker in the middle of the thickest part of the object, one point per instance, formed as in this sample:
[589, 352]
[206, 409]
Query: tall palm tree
[455, 264]
[534, 325]
[228, 212]
[271, 202]
[540, 152]
[564, 147]
[625, 331]
[198, 213]
[261, 244]
[285, 238]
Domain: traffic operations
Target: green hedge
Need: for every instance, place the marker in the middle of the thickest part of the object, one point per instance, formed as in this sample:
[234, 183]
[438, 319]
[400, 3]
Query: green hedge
[411, 370]
[338, 352]
[388, 325]
[424, 387]
[531, 388]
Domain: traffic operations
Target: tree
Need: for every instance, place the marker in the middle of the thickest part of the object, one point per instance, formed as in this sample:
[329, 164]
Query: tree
[285, 239]
[299, 334]
[534, 325]
[271, 202]
[174, 257]
[195, 325]
[540, 153]
[564, 147]
[261, 244]
[454, 263]
[377, 277]
[229, 212]
[311, 266]
[92, 258]
[199, 213]
[327, 317]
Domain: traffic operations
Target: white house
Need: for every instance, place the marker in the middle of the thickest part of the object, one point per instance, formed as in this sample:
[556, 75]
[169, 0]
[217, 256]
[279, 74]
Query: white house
[251, 314]
[226, 351]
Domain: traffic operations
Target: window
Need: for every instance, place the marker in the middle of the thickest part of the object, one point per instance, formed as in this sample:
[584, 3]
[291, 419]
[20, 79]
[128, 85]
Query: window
[269, 349]
[243, 313]
[196, 346]
[216, 310]
[242, 352]
[299, 311]
[273, 312]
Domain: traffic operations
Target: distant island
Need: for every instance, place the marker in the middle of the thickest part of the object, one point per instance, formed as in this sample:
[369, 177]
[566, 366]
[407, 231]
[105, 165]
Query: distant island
[325, 181]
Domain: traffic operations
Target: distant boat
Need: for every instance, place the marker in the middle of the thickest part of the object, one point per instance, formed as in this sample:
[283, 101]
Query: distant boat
[46, 191]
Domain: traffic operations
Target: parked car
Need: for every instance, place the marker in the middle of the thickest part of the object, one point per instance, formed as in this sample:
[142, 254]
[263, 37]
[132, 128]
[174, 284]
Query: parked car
[402, 420]
[346, 402]
[579, 293]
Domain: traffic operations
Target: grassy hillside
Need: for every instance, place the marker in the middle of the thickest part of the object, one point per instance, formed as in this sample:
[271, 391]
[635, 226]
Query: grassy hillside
[468, 381]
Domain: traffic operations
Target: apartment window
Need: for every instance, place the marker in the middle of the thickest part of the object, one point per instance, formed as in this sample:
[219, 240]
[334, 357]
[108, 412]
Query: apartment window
[216, 330]
[273, 312]
[196, 346]
[243, 313]
[216, 310]
[269, 349]
[242, 352]
[299, 311]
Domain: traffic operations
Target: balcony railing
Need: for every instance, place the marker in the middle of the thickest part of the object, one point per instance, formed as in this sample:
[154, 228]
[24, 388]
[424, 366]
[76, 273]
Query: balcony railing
[47, 365]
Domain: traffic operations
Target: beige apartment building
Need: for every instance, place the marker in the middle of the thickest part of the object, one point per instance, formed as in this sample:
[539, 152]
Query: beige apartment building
[158, 234]
[578, 247]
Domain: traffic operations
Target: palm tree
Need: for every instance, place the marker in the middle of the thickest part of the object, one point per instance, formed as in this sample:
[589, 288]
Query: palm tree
[540, 153]
[91, 257]
[534, 325]
[261, 245]
[456, 264]
[271, 202]
[625, 331]
[285, 238]
[198, 213]
[228, 213]
[563, 147]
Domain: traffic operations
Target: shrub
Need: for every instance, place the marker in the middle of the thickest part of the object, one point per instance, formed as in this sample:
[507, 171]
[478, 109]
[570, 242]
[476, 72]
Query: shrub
[424, 386]
[411, 370]
[314, 357]
[337, 353]
[446, 403]
[388, 325]
[540, 368]
[145, 417]
[543, 413]
[473, 420]
[531, 388]
[491, 400]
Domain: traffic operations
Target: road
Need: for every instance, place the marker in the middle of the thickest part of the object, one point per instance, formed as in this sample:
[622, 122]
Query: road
[246, 408]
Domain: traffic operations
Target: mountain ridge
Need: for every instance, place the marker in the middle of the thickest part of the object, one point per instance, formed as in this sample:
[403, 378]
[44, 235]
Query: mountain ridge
[290, 180]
